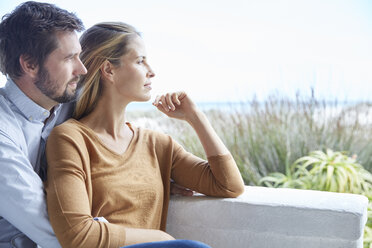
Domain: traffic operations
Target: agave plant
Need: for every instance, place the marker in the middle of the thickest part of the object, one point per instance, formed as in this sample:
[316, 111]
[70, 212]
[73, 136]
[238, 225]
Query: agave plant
[291, 179]
[326, 171]
[334, 171]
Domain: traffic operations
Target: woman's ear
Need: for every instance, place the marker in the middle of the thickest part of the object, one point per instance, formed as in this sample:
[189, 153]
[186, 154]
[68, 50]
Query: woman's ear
[107, 71]
[28, 67]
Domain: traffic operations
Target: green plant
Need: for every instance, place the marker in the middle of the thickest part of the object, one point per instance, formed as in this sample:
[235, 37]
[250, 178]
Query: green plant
[334, 171]
[326, 171]
[291, 179]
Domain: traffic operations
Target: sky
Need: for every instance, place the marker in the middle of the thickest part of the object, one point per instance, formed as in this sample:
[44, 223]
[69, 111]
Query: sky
[234, 50]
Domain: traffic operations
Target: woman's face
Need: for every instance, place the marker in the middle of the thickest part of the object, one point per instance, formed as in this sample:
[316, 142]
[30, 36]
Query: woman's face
[132, 78]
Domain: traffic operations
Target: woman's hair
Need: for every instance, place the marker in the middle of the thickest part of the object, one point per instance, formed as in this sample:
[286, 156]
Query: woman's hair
[30, 31]
[104, 41]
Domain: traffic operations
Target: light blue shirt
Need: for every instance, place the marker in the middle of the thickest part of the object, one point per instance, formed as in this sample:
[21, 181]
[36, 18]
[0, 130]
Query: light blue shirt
[22, 138]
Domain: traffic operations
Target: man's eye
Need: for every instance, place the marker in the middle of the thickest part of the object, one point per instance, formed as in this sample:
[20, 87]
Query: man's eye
[69, 58]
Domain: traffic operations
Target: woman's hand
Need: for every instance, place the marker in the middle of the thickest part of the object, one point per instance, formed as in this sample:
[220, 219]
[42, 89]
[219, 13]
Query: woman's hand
[176, 189]
[176, 105]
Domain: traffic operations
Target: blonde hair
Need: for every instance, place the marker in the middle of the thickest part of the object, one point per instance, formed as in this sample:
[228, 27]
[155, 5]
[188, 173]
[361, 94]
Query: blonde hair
[104, 41]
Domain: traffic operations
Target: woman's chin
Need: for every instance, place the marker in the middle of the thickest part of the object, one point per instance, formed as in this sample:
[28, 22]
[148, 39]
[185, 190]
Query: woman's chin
[145, 98]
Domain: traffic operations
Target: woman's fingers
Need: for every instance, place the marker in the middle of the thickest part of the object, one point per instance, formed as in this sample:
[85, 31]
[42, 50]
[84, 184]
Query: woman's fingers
[176, 189]
[168, 101]
[175, 99]
[162, 103]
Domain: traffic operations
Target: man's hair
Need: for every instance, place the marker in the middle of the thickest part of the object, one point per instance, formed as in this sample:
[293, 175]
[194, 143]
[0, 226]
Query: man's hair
[30, 30]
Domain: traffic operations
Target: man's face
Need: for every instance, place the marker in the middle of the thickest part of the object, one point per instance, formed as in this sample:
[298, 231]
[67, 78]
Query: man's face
[58, 77]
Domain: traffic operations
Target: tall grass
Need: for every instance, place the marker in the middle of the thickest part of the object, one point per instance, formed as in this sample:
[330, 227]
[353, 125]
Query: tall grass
[265, 137]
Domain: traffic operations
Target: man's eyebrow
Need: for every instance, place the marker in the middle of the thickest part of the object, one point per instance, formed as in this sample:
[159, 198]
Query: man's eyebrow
[71, 55]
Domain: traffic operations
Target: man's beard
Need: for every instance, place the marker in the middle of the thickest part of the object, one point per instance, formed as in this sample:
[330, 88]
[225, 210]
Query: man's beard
[50, 88]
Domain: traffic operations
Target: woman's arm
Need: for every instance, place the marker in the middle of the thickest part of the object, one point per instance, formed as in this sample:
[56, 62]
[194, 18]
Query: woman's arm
[179, 105]
[224, 170]
[137, 235]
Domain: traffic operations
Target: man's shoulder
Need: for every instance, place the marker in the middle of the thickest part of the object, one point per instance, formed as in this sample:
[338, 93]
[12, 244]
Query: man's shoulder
[9, 124]
[4, 102]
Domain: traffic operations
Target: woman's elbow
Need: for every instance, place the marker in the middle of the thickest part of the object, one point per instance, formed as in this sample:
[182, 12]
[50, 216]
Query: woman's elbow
[234, 190]
[238, 190]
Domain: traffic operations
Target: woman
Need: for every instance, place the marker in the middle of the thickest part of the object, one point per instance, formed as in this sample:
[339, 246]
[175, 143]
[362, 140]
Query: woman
[101, 166]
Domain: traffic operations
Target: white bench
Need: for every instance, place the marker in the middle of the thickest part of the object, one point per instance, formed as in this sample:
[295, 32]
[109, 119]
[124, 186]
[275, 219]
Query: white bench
[267, 217]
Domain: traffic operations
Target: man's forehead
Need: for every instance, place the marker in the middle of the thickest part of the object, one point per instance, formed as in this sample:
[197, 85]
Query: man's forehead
[67, 43]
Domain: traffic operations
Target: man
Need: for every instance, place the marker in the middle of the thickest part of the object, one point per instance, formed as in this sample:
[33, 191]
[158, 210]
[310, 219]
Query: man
[39, 54]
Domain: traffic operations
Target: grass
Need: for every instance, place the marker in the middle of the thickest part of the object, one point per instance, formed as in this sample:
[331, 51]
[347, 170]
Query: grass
[265, 137]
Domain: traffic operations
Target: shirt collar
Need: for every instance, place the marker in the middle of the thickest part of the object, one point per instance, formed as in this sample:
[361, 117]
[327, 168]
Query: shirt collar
[31, 110]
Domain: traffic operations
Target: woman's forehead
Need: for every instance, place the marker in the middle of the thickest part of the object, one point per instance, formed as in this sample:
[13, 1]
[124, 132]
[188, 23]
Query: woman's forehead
[136, 47]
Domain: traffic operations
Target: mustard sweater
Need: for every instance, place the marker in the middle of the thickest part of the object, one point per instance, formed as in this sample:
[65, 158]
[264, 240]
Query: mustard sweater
[86, 179]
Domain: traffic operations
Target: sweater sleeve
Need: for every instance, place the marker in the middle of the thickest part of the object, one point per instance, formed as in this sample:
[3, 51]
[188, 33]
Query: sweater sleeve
[219, 176]
[68, 200]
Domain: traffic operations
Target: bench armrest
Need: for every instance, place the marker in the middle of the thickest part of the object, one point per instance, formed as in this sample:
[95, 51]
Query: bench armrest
[269, 217]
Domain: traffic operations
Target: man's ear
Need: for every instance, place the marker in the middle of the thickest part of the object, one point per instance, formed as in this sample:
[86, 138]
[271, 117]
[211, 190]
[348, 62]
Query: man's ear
[107, 71]
[28, 67]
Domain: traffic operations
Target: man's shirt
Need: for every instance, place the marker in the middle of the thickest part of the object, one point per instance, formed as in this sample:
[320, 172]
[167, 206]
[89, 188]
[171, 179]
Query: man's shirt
[24, 128]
